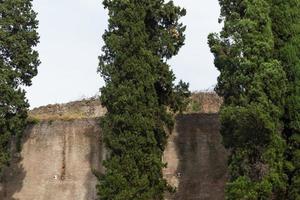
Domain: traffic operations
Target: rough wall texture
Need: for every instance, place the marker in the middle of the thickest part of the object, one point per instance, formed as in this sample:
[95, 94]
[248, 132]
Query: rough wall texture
[56, 162]
[58, 157]
[200, 102]
[196, 158]
[84, 109]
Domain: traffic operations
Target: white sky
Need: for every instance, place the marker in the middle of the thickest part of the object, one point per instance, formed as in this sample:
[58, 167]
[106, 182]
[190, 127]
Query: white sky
[71, 40]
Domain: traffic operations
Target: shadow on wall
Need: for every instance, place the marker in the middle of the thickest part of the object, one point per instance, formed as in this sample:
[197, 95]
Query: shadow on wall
[202, 168]
[15, 174]
[57, 162]
[16, 170]
[95, 158]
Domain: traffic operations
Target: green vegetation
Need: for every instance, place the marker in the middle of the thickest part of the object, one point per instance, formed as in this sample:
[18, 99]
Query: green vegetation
[18, 65]
[194, 106]
[32, 120]
[253, 84]
[286, 29]
[139, 95]
[204, 102]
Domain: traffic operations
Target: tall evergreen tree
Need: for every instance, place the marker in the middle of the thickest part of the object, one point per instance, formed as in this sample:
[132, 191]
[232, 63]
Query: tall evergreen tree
[140, 95]
[286, 29]
[253, 85]
[18, 65]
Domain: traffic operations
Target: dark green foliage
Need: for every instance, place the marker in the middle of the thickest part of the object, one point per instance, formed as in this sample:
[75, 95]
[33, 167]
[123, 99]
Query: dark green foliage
[286, 29]
[139, 95]
[253, 85]
[18, 65]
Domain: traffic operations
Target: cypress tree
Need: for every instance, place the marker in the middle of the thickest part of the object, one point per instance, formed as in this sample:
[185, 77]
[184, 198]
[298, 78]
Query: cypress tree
[253, 85]
[18, 65]
[140, 95]
[286, 29]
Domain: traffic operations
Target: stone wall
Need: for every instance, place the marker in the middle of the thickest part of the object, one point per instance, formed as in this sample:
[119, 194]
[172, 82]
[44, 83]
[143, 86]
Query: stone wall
[196, 158]
[58, 158]
[56, 162]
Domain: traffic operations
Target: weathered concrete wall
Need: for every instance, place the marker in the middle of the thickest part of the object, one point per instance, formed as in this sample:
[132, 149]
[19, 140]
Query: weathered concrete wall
[56, 162]
[196, 158]
[57, 159]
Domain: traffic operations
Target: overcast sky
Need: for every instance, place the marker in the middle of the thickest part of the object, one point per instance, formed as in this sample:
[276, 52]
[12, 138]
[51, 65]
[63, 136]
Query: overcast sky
[71, 42]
